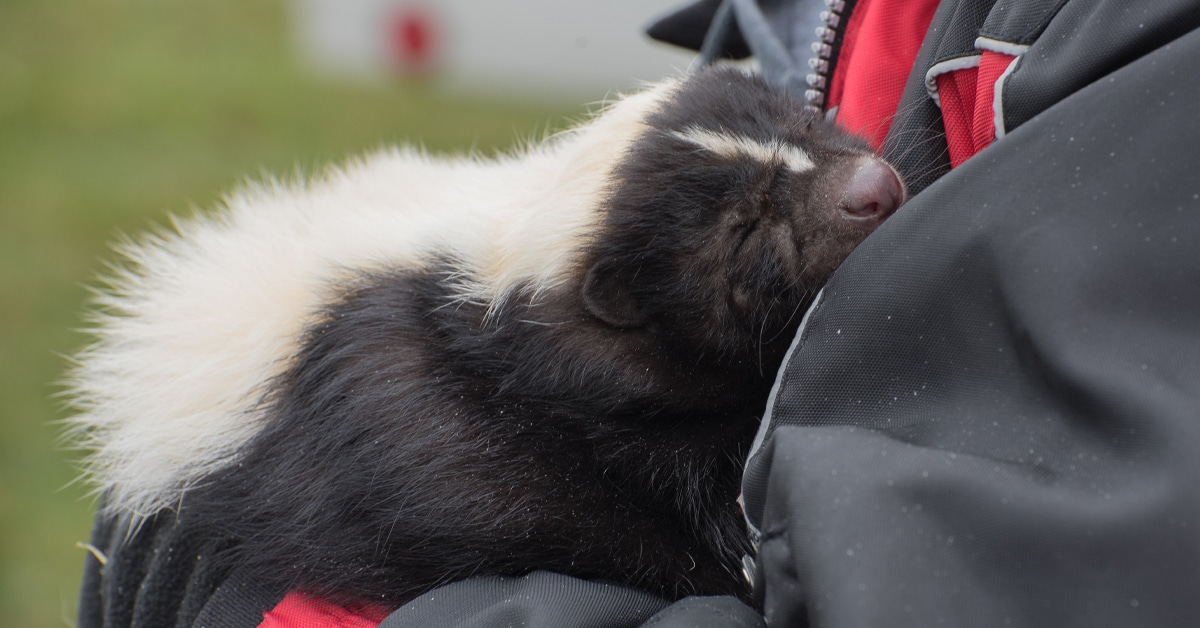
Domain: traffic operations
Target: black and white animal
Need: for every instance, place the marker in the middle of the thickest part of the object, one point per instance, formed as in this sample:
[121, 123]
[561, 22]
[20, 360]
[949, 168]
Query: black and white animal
[417, 369]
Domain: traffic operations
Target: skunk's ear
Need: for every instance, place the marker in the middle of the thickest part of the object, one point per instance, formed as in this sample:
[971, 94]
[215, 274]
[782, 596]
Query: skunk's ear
[607, 295]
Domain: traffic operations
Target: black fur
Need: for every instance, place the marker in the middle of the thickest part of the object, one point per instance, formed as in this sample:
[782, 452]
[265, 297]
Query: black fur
[596, 428]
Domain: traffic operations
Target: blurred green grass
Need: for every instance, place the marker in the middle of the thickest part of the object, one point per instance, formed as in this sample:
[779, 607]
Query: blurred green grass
[113, 113]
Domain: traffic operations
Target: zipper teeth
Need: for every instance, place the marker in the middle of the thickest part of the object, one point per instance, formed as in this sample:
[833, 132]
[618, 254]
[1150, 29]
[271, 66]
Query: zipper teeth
[818, 78]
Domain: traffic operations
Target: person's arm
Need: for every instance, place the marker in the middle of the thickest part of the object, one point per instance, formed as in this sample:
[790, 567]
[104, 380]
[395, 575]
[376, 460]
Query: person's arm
[993, 416]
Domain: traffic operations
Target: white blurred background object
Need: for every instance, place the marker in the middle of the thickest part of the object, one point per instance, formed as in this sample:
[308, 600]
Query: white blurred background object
[529, 47]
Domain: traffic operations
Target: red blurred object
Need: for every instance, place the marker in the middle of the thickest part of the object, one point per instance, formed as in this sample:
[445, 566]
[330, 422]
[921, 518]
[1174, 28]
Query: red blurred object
[414, 41]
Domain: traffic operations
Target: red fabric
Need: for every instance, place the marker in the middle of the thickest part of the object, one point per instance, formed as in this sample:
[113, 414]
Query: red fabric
[991, 67]
[878, 50]
[967, 105]
[956, 92]
[298, 610]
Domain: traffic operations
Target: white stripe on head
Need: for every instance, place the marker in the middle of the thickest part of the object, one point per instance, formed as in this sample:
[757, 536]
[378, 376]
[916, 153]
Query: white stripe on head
[735, 146]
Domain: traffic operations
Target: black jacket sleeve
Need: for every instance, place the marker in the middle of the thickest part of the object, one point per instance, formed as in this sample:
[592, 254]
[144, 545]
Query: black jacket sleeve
[549, 600]
[537, 600]
[993, 416]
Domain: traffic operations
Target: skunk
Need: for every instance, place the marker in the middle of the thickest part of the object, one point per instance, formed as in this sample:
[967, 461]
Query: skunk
[419, 369]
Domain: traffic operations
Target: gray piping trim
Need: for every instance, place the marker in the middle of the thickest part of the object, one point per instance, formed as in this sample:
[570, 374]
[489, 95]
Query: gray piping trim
[998, 98]
[1000, 46]
[950, 65]
[765, 422]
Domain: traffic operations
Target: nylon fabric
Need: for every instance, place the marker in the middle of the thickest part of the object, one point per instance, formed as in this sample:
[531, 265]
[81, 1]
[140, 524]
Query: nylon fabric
[957, 92]
[967, 98]
[992, 419]
[537, 600]
[983, 129]
[239, 601]
[880, 45]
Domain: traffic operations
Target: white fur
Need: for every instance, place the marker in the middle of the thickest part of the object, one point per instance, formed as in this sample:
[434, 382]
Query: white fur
[200, 317]
[736, 146]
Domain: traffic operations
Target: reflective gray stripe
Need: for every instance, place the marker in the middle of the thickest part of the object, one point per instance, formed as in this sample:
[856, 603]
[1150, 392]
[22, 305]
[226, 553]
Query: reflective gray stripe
[765, 422]
[944, 67]
[998, 98]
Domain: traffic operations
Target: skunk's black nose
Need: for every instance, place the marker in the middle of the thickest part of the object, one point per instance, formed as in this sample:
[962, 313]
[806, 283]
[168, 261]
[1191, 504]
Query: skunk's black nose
[873, 193]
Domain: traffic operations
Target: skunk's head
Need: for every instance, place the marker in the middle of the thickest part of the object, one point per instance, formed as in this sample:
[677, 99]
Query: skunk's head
[728, 214]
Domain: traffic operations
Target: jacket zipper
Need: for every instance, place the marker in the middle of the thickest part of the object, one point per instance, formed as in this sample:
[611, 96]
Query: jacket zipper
[825, 50]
